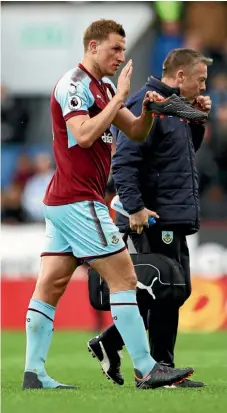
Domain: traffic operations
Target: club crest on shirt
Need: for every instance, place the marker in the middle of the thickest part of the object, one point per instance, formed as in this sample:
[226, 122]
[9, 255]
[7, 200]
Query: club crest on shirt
[74, 102]
[167, 237]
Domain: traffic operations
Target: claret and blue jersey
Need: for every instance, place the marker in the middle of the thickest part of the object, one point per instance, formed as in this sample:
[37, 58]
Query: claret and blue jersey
[81, 173]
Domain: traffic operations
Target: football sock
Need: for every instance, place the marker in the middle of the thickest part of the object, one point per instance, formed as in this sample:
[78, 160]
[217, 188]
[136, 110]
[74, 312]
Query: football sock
[127, 318]
[39, 331]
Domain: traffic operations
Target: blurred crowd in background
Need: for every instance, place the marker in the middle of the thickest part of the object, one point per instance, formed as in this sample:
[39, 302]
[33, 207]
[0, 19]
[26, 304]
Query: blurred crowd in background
[27, 163]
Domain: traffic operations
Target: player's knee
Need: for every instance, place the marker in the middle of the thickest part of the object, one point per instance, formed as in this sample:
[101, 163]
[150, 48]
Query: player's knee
[128, 281]
[54, 276]
[50, 288]
[132, 281]
[59, 285]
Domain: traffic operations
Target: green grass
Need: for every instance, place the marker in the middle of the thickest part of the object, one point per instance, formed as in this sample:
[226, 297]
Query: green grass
[70, 362]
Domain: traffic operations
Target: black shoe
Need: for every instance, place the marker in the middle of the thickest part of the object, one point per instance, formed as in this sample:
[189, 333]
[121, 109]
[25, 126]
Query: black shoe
[161, 376]
[187, 384]
[177, 106]
[109, 360]
[32, 381]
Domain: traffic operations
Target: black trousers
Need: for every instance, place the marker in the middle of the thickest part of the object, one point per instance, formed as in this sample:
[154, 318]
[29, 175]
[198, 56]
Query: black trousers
[160, 321]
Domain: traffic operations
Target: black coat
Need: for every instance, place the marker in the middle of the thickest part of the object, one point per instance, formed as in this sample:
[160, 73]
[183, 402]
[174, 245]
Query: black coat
[160, 173]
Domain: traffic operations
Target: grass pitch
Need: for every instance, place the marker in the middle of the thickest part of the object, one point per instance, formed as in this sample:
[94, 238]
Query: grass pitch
[70, 362]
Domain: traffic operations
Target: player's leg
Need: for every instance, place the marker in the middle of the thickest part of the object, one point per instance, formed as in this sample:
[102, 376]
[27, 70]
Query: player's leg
[107, 346]
[55, 273]
[118, 271]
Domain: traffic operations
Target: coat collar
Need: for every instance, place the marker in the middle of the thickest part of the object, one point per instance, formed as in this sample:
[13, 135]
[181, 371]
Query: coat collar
[160, 87]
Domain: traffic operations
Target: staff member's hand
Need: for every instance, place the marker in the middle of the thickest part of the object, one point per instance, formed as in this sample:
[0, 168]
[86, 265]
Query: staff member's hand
[203, 103]
[140, 219]
[150, 97]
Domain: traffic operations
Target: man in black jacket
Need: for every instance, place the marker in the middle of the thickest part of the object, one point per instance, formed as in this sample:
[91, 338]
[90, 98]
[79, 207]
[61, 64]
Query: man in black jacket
[160, 175]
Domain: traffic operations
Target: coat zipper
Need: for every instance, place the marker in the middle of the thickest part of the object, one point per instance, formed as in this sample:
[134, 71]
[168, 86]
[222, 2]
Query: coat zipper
[193, 176]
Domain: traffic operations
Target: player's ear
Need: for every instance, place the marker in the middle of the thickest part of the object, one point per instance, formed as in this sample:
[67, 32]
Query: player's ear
[93, 46]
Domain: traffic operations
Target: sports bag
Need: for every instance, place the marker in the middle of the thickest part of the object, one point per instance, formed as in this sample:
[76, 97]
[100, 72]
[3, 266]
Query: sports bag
[159, 277]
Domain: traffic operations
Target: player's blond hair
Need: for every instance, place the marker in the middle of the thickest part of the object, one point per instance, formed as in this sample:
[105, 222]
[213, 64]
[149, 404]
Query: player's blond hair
[100, 29]
[181, 58]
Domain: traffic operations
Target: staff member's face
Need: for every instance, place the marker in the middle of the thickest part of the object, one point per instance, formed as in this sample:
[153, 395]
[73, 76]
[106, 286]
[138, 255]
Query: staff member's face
[192, 81]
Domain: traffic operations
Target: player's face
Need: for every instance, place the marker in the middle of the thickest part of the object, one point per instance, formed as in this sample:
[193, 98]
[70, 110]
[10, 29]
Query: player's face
[193, 82]
[110, 54]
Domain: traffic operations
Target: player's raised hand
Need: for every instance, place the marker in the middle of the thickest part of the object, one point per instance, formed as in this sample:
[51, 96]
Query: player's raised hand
[124, 80]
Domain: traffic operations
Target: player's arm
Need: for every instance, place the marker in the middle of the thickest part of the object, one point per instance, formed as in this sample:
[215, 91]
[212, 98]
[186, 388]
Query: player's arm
[87, 130]
[75, 100]
[136, 128]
